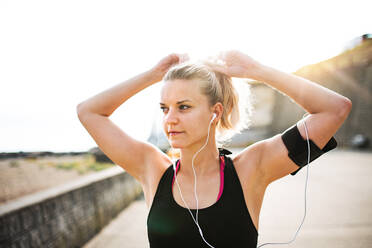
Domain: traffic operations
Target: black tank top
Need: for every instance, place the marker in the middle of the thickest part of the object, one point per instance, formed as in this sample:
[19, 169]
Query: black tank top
[226, 223]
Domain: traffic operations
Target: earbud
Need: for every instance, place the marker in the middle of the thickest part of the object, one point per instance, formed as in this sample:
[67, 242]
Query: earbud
[213, 117]
[195, 191]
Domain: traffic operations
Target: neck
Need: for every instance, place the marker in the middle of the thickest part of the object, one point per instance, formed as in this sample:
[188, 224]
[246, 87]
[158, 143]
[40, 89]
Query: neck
[206, 161]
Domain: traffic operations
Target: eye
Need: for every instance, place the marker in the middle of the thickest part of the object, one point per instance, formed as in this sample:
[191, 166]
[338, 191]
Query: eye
[163, 108]
[181, 107]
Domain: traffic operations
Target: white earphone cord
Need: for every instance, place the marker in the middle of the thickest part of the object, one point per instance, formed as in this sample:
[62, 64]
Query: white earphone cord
[307, 175]
[196, 197]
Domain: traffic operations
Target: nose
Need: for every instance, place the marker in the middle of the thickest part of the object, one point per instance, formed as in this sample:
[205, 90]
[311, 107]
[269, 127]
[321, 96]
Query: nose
[171, 117]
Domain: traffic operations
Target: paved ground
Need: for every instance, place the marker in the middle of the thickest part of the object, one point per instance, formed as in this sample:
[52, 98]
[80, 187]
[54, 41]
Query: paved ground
[339, 208]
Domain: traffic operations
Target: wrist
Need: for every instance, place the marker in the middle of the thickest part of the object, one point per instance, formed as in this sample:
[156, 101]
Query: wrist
[263, 73]
[154, 75]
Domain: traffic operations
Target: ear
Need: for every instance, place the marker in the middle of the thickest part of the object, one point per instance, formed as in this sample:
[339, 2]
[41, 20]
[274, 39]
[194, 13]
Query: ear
[218, 110]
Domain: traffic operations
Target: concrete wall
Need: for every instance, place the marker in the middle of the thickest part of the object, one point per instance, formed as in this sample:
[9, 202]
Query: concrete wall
[68, 215]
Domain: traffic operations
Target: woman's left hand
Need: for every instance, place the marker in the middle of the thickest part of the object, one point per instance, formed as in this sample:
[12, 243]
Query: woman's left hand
[234, 64]
[162, 67]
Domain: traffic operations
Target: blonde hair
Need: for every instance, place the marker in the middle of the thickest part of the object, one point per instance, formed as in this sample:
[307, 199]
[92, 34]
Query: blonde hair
[218, 87]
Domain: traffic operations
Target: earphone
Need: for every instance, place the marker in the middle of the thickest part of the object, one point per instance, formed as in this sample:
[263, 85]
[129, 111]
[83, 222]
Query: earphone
[307, 175]
[197, 204]
[213, 117]
[196, 197]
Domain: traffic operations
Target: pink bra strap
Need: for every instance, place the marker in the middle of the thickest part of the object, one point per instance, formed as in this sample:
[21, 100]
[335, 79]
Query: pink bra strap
[222, 169]
[177, 167]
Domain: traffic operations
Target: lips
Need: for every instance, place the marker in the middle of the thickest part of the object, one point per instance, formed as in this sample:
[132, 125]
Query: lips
[173, 133]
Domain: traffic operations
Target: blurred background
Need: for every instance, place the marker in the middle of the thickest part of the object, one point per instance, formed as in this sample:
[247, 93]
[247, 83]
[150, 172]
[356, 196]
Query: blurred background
[56, 54]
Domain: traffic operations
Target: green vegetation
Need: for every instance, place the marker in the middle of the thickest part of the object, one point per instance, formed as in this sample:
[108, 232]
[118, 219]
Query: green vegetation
[67, 166]
[14, 163]
[86, 164]
[99, 166]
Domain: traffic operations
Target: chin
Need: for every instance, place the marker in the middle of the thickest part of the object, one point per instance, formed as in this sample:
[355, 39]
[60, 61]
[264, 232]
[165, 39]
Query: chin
[176, 144]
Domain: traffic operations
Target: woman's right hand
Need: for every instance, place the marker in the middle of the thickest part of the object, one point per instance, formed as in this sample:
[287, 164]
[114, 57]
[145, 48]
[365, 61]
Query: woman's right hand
[161, 68]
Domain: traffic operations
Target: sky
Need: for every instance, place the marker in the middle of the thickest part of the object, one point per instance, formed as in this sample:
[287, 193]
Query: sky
[56, 54]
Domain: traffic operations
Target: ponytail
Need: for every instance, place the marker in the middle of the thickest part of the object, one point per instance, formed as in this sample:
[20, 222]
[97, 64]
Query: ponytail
[218, 87]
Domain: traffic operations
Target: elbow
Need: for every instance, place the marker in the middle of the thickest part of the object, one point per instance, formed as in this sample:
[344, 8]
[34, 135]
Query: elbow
[345, 107]
[83, 110]
[79, 109]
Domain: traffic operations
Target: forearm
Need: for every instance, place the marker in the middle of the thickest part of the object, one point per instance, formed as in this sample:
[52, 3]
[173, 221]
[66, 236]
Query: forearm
[106, 102]
[311, 96]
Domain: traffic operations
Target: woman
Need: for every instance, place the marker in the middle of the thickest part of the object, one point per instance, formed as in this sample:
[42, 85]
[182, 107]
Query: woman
[199, 102]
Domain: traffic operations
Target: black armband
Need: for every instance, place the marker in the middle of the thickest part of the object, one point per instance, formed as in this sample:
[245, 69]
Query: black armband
[298, 150]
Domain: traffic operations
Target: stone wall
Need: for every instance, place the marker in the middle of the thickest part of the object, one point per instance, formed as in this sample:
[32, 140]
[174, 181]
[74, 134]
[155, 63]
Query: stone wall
[68, 215]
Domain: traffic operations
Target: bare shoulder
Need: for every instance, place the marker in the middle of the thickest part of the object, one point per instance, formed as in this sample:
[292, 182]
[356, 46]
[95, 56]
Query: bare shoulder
[156, 165]
[247, 162]
[142, 160]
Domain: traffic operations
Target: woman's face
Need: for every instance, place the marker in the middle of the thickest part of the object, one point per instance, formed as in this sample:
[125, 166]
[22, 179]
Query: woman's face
[186, 113]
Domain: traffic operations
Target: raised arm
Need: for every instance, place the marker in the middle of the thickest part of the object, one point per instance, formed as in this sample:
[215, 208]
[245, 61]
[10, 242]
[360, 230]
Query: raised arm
[125, 151]
[327, 111]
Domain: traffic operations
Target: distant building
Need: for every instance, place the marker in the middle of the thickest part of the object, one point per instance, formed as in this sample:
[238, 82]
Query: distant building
[357, 41]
